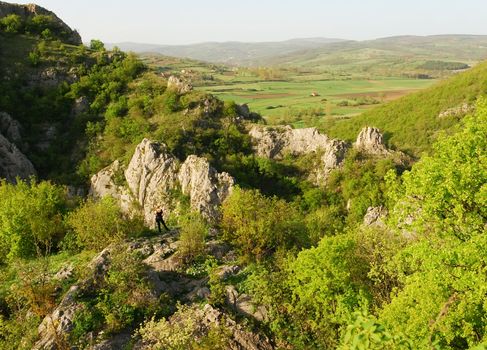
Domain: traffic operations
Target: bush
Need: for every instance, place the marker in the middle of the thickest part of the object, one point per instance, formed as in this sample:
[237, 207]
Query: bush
[192, 237]
[30, 218]
[98, 223]
[259, 225]
[11, 23]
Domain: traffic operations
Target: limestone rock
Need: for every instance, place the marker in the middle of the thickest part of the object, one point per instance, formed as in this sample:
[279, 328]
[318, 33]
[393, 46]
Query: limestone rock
[375, 216]
[13, 162]
[206, 187]
[243, 304]
[458, 111]
[11, 129]
[103, 184]
[371, 141]
[179, 85]
[274, 143]
[151, 176]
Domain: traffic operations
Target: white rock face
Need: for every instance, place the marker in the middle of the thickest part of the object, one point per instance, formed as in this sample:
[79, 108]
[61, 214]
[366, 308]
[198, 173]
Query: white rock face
[205, 186]
[371, 141]
[274, 143]
[179, 85]
[153, 175]
[13, 163]
[103, 184]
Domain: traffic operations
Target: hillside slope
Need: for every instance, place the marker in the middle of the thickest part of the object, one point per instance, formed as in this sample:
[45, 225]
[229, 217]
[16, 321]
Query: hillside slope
[413, 122]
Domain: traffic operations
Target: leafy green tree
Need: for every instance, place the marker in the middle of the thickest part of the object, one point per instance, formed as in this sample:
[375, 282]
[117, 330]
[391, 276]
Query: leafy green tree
[96, 224]
[97, 45]
[11, 23]
[30, 218]
[442, 209]
[259, 225]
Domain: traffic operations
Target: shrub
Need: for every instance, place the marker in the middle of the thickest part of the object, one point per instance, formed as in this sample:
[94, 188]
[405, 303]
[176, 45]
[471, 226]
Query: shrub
[98, 223]
[30, 218]
[192, 237]
[259, 225]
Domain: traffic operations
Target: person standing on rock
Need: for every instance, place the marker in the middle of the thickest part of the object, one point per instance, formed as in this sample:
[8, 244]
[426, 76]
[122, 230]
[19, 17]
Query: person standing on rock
[159, 219]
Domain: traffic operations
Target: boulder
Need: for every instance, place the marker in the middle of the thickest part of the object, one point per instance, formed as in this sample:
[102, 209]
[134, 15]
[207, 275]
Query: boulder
[375, 216]
[458, 111]
[13, 163]
[103, 184]
[371, 141]
[151, 177]
[206, 187]
[179, 85]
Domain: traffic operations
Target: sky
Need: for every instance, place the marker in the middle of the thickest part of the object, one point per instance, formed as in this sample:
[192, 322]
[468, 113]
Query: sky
[178, 22]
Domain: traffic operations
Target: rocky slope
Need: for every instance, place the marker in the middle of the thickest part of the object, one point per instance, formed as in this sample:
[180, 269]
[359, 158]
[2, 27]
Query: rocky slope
[30, 10]
[160, 256]
[13, 163]
[153, 177]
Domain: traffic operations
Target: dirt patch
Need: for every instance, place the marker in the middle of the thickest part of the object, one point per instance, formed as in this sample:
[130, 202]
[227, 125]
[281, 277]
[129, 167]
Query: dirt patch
[378, 95]
[266, 96]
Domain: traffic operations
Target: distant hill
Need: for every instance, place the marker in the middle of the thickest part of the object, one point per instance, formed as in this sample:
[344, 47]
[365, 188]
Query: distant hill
[232, 52]
[413, 122]
[400, 55]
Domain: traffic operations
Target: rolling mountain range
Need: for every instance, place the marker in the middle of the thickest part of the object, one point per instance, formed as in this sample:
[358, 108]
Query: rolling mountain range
[325, 51]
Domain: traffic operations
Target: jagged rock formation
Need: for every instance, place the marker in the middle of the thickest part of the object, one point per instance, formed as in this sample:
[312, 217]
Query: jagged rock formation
[179, 85]
[274, 143]
[370, 141]
[458, 111]
[153, 176]
[13, 163]
[11, 129]
[206, 187]
[30, 10]
[375, 216]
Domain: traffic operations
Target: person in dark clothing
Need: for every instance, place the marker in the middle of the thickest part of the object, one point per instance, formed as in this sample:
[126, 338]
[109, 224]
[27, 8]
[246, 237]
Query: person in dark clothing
[160, 220]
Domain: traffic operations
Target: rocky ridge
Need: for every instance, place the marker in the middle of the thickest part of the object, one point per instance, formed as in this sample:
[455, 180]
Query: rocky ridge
[153, 178]
[29, 10]
[276, 142]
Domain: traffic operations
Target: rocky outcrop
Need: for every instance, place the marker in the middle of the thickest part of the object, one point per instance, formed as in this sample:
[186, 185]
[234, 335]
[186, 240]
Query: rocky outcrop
[371, 141]
[103, 184]
[151, 177]
[206, 187]
[458, 111]
[274, 143]
[154, 176]
[11, 129]
[179, 85]
[375, 216]
[30, 10]
[13, 163]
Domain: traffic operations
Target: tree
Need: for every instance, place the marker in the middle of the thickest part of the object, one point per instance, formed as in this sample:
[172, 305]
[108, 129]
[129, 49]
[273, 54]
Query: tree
[30, 218]
[11, 23]
[97, 45]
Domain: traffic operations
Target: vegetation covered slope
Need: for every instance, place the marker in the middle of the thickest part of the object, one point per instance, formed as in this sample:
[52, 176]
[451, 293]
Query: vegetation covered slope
[413, 122]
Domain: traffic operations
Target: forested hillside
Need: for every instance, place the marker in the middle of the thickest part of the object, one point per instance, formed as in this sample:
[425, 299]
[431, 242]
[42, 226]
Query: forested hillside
[277, 238]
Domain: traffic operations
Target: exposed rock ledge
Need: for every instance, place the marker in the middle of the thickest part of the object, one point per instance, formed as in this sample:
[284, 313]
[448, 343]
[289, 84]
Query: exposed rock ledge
[13, 163]
[276, 142]
[154, 175]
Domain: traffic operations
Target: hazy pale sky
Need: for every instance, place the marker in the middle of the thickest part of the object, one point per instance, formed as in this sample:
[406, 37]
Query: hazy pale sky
[191, 21]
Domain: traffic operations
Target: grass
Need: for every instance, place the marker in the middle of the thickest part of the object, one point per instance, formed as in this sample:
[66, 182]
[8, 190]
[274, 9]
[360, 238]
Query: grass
[282, 101]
